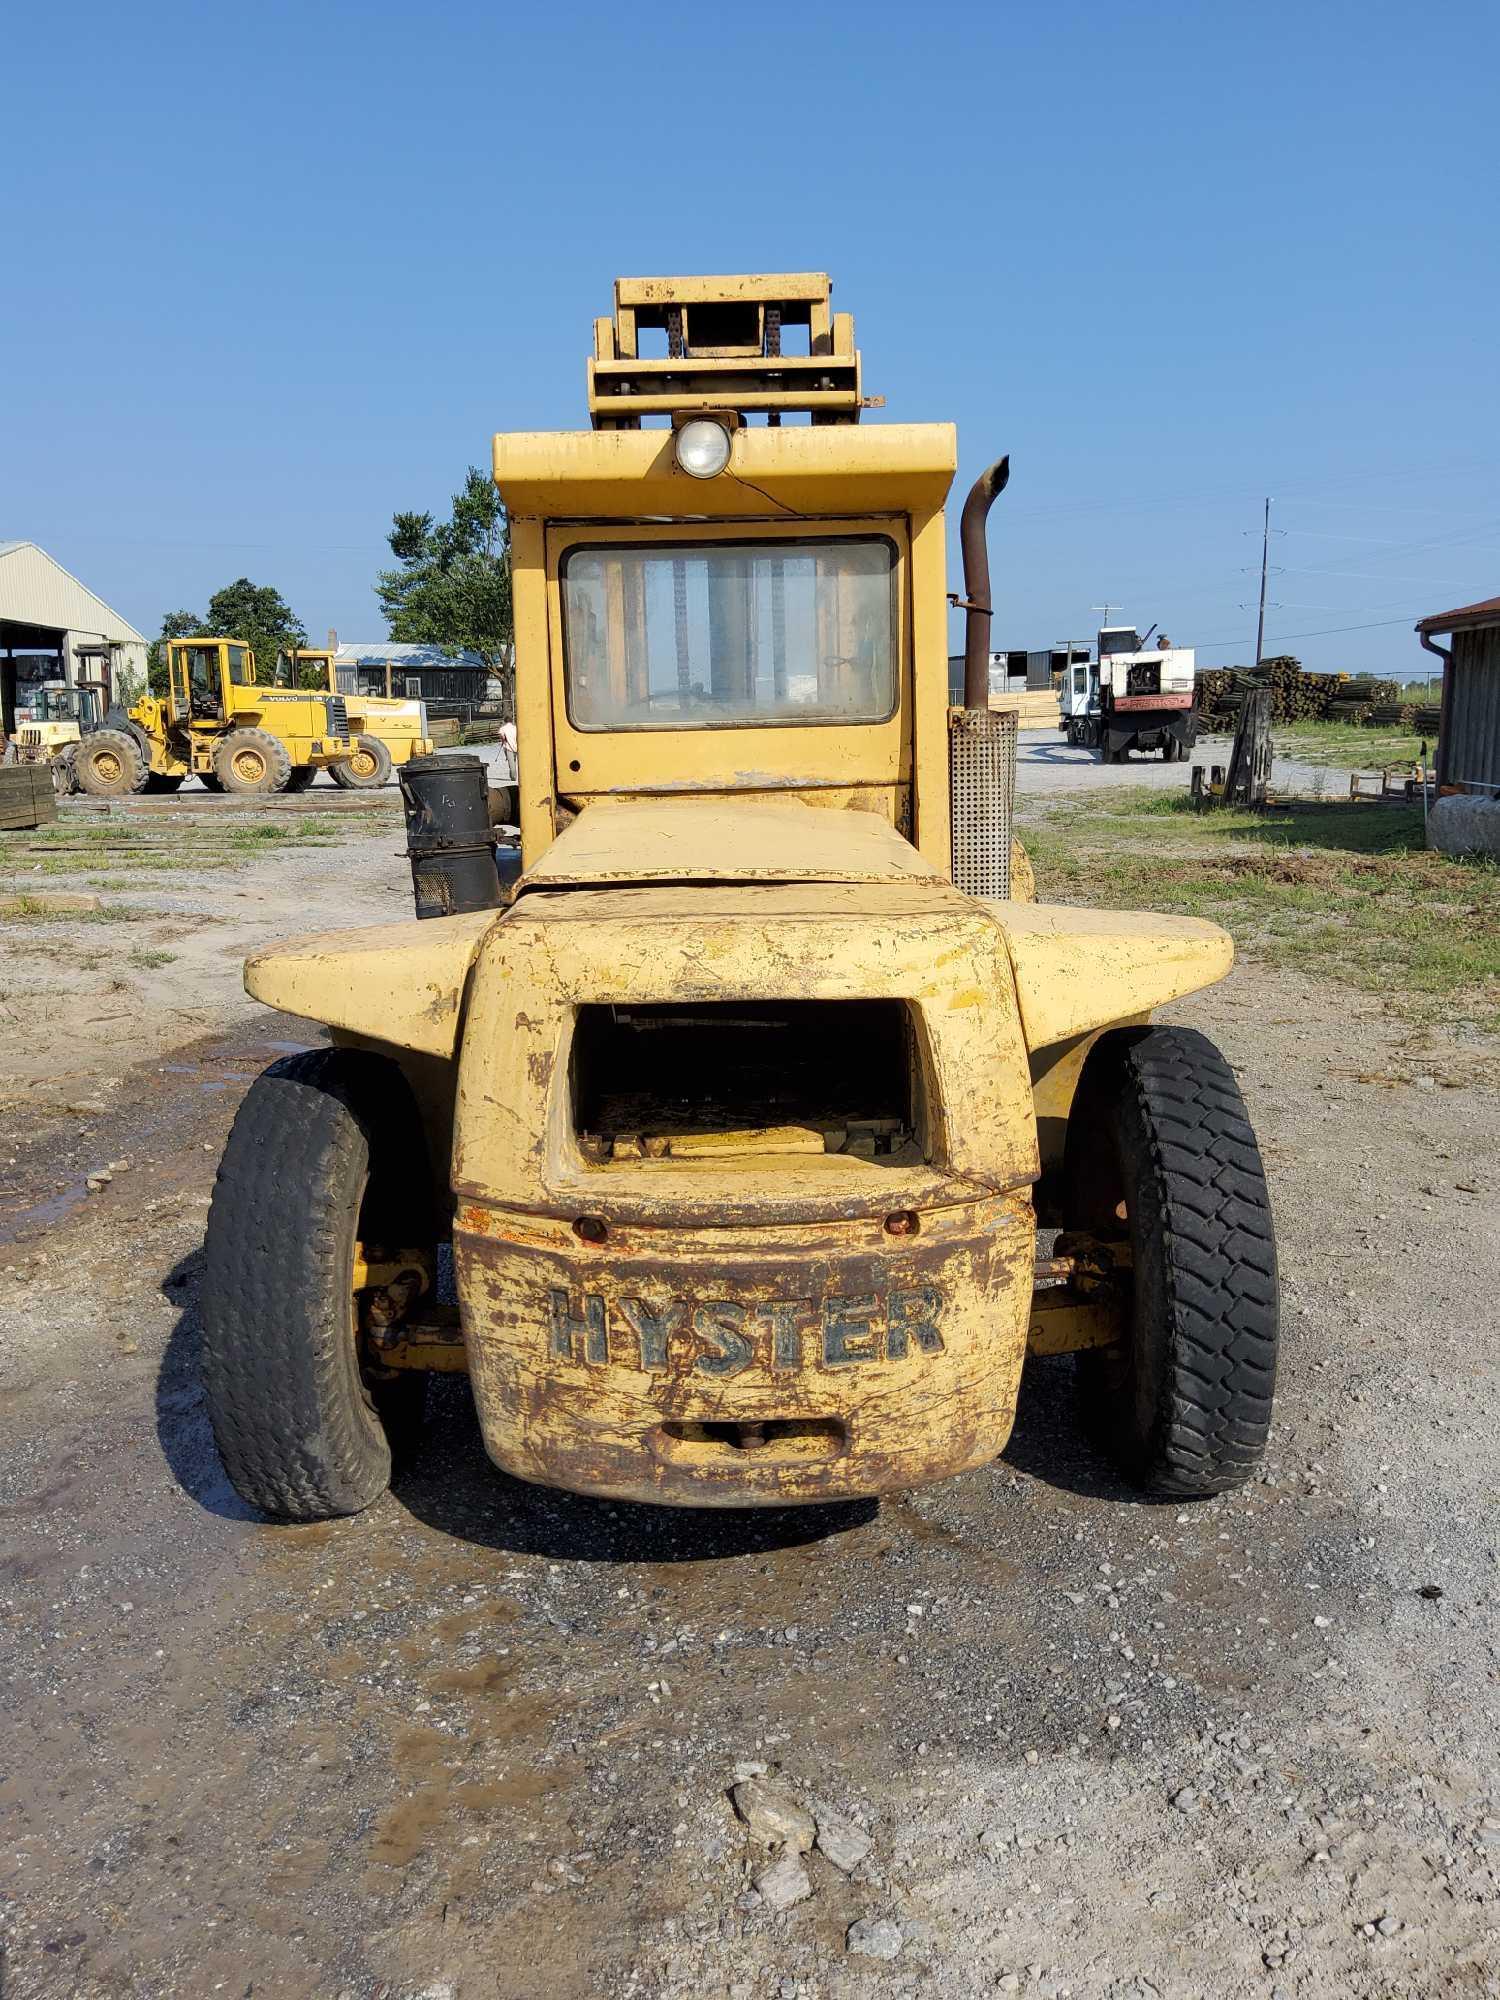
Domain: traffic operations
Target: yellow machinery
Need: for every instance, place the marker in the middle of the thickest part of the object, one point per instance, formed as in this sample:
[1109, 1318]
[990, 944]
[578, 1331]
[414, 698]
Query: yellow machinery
[216, 722]
[59, 714]
[386, 730]
[743, 1116]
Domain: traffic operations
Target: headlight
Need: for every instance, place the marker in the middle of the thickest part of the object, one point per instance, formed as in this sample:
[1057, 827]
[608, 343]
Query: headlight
[702, 448]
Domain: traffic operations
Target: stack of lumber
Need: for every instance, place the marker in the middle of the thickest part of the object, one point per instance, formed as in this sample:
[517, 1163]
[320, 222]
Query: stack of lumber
[26, 795]
[1033, 708]
[1302, 697]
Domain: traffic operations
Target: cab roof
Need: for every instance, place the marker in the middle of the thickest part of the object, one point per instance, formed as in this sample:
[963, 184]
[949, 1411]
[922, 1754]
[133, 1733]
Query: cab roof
[773, 473]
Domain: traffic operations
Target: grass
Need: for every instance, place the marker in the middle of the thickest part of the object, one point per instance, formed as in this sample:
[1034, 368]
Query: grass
[33, 912]
[152, 961]
[1347, 746]
[78, 846]
[1345, 891]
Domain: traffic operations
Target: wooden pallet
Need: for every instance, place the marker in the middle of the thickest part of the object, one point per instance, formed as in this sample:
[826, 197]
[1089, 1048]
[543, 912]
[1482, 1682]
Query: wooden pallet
[27, 798]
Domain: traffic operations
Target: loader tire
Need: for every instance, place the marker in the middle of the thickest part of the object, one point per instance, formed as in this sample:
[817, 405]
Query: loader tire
[161, 781]
[366, 768]
[109, 765]
[1158, 1125]
[252, 763]
[209, 782]
[301, 777]
[326, 1150]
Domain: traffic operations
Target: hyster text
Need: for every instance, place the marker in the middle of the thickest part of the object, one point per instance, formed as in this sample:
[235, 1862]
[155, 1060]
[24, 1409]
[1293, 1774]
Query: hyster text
[722, 1336]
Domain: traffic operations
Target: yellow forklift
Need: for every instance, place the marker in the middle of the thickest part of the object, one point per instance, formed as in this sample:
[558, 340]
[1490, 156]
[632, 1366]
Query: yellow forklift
[768, 1123]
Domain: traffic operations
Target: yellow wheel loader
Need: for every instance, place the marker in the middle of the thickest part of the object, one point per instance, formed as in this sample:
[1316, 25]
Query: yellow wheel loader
[387, 731]
[217, 722]
[769, 1124]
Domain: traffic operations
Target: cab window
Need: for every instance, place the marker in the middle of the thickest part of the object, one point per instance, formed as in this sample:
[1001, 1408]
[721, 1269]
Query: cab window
[241, 672]
[730, 634]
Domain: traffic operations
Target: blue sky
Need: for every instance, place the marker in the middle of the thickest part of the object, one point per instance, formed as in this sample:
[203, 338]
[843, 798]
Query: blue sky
[275, 271]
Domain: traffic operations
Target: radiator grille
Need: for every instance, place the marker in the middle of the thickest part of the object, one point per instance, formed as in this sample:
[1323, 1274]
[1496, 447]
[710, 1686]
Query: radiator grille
[338, 715]
[982, 786]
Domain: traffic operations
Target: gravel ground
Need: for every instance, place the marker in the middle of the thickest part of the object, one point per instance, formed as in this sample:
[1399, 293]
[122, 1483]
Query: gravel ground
[480, 1741]
[1046, 763]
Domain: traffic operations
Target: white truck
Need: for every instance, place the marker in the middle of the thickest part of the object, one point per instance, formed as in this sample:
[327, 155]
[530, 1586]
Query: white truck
[1131, 698]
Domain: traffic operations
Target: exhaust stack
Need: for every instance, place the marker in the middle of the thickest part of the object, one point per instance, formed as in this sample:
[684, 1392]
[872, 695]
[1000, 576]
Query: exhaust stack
[978, 608]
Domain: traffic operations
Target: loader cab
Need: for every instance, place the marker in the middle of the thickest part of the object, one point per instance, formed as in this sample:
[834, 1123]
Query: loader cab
[200, 674]
[711, 602]
[306, 669]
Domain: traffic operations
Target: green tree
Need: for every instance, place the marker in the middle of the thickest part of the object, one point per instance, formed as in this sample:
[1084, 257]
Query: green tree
[451, 586]
[244, 610]
[259, 615]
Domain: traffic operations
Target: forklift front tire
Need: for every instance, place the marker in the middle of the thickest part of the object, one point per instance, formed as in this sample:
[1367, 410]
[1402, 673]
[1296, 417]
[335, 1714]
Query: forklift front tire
[1160, 1155]
[323, 1155]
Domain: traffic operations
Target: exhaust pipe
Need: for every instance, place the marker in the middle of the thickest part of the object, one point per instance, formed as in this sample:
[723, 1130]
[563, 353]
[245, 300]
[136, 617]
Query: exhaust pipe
[978, 608]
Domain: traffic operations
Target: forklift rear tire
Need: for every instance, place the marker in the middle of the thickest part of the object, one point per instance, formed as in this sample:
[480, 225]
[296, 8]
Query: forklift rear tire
[320, 1156]
[366, 768]
[1160, 1150]
[108, 765]
[251, 763]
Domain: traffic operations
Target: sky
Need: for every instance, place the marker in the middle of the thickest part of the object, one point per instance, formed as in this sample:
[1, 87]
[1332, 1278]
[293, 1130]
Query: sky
[274, 272]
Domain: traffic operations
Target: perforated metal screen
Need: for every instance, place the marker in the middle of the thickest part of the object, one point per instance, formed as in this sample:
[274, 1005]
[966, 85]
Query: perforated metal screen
[982, 785]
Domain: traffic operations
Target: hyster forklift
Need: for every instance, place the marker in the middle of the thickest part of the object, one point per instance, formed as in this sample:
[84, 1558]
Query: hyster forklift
[216, 721]
[741, 1117]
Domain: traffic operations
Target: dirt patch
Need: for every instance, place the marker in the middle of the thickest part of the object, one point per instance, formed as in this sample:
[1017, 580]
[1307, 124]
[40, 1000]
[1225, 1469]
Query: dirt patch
[187, 888]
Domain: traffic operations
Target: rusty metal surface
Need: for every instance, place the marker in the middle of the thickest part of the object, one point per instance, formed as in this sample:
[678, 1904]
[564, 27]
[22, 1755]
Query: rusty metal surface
[905, 1350]
[982, 495]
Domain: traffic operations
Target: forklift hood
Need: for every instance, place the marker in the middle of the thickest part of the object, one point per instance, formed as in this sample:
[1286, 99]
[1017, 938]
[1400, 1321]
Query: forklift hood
[406, 984]
[724, 839]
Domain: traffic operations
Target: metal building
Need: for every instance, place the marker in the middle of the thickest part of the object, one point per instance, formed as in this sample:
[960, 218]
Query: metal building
[450, 683]
[53, 628]
[1469, 729]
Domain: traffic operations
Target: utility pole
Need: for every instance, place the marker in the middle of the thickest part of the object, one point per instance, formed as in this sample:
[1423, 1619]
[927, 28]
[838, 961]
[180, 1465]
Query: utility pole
[1265, 548]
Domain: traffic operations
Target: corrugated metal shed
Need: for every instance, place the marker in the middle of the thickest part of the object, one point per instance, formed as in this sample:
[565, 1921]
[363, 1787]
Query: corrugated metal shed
[36, 590]
[1469, 735]
[451, 684]
[47, 619]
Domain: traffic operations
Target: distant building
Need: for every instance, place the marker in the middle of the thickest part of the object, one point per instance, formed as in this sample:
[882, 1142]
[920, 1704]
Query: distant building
[1469, 731]
[1036, 668]
[449, 683]
[53, 628]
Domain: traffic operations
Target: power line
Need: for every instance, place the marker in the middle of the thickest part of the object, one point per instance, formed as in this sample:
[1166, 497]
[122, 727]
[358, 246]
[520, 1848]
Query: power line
[1324, 632]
